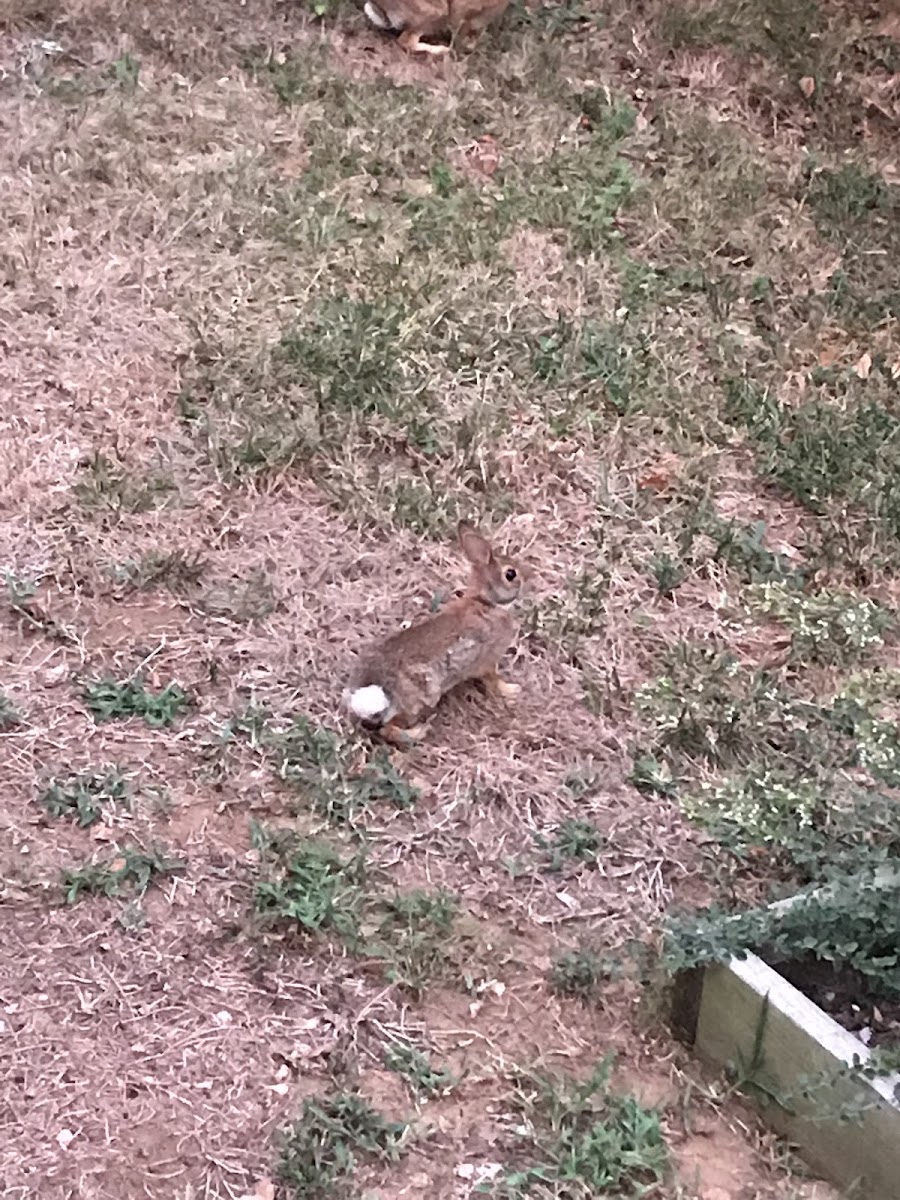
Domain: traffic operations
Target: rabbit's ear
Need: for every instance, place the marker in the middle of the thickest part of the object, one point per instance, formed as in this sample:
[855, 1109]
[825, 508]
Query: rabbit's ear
[476, 548]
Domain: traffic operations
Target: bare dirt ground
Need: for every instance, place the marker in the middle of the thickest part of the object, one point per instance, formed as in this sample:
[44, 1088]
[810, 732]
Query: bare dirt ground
[183, 187]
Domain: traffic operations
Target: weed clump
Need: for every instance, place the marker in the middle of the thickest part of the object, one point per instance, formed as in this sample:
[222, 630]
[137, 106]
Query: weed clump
[320, 1151]
[84, 797]
[131, 870]
[584, 1139]
[111, 699]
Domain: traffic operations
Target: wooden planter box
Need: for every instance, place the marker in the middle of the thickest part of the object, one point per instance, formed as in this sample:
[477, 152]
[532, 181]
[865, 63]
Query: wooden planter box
[745, 1013]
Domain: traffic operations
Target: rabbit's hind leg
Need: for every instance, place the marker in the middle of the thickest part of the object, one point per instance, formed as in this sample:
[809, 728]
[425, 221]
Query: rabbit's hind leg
[499, 687]
[403, 737]
[412, 43]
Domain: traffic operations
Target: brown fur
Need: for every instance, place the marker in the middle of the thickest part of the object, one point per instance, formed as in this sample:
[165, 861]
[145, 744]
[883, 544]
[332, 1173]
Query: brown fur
[418, 19]
[464, 641]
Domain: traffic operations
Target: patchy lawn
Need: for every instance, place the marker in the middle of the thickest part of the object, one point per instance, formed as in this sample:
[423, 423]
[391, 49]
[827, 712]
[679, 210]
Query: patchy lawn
[279, 306]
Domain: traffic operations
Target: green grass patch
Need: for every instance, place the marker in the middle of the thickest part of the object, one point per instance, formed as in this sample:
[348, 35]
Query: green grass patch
[579, 193]
[340, 395]
[774, 29]
[859, 212]
[827, 626]
[652, 777]
[399, 182]
[177, 570]
[416, 1068]
[577, 974]
[837, 451]
[84, 797]
[82, 86]
[308, 884]
[128, 871]
[849, 202]
[741, 547]
[339, 779]
[574, 840]
[766, 770]
[108, 485]
[352, 351]
[573, 617]
[756, 808]
[395, 356]
[111, 700]
[598, 371]
[412, 934]
[10, 716]
[320, 1151]
[585, 1139]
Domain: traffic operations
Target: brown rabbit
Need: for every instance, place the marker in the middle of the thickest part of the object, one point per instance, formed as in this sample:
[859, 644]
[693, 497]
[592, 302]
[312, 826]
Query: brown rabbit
[417, 19]
[401, 680]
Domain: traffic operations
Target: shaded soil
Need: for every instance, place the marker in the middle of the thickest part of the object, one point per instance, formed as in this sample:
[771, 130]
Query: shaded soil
[846, 995]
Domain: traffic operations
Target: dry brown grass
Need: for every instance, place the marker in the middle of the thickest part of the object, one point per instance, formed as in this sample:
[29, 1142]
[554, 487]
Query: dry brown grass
[137, 232]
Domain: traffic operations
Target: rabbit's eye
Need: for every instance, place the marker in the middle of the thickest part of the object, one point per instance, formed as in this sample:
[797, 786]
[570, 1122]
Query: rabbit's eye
[511, 574]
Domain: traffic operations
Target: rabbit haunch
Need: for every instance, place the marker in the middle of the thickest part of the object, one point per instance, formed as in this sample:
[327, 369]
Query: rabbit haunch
[417, 19]
[401, 680]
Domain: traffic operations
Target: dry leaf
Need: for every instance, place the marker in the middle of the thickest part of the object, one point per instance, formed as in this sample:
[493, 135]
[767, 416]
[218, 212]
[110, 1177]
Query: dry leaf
[864, 366]
[661, 476]
[494, 986]
[829, 355]
[484, 154]
[807, 86]
[103, 833]
[656, 480]
[821, 274]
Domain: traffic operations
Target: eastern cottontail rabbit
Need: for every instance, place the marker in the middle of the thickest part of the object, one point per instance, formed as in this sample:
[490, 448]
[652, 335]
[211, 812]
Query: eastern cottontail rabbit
[400, 680]
[417, 19]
